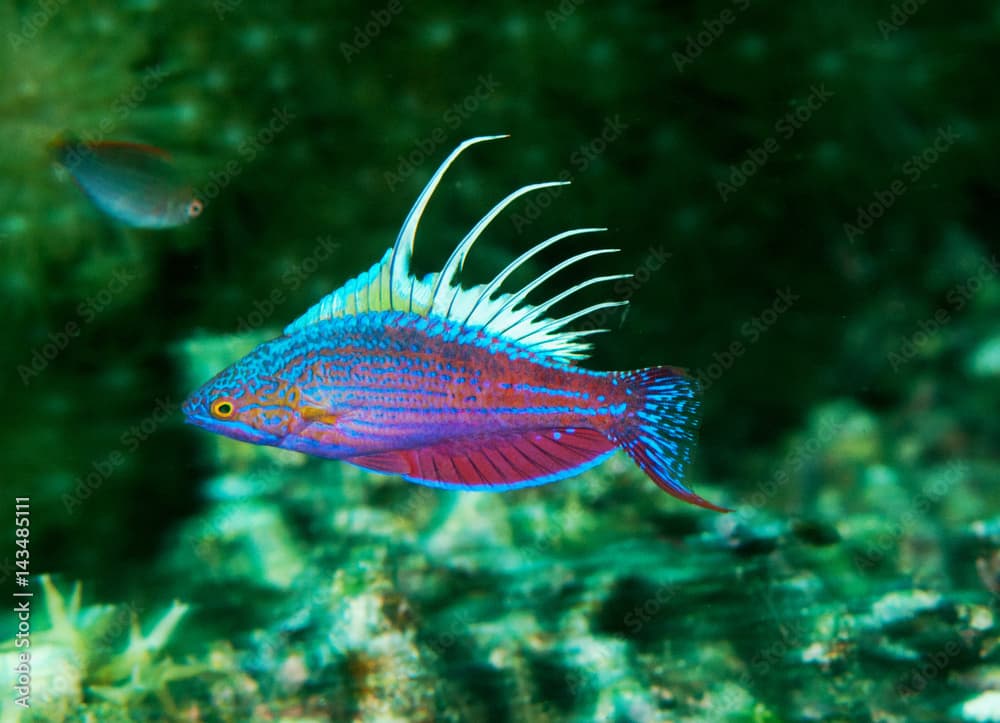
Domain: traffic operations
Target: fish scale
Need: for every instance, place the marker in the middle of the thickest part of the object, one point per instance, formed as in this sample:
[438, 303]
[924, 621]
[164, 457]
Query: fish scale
[360, 386]
[453, 387]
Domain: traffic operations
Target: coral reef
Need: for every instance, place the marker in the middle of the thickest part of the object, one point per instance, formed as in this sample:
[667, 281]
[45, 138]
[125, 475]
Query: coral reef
[96, 661]
[404, 603]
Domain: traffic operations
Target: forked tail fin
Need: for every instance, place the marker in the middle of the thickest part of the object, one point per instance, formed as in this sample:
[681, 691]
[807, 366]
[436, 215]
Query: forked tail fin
[660, 431]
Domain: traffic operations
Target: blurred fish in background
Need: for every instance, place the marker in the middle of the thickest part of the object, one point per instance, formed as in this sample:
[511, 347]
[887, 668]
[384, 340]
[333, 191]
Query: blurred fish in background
[134, 183]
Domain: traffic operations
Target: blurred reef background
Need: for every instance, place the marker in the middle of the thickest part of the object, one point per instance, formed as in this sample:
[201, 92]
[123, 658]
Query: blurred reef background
[807, 194]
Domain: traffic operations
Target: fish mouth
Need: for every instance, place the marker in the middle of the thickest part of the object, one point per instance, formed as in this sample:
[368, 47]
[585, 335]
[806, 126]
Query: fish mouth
[188, 408]
[196, 414]
[231, 428]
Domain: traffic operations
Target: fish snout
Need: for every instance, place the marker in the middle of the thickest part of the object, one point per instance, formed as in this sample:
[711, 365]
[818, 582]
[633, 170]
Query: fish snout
[190, 407]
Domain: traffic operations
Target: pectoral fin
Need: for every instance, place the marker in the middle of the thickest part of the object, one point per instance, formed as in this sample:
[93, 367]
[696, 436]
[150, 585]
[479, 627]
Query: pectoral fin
[311, 415]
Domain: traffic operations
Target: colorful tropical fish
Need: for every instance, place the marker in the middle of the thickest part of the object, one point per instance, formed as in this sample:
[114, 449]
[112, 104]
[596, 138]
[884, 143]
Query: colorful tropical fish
[131, 182]
[450, 387]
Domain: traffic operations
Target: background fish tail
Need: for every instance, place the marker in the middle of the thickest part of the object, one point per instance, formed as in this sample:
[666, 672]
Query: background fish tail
[661, 429]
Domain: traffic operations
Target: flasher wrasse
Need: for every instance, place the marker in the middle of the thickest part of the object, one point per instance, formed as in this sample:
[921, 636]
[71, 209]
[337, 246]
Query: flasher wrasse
[134, 183]
[460, 388]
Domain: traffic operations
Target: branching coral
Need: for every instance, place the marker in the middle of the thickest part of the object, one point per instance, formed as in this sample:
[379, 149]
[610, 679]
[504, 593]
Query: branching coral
[97, 658]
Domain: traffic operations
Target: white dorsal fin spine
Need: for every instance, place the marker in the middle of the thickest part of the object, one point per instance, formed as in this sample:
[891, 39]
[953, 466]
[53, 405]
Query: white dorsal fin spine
[556, 323]
[537, 311]
[516, 264]
[507, 308]
[402, 250]
[455, 262]
[388, 285]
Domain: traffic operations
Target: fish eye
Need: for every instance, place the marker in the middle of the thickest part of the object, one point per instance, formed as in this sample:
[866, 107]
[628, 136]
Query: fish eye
[222, 409]
[195, 208]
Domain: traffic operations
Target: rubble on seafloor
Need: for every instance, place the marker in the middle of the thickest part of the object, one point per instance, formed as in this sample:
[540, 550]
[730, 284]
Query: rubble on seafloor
[354, 595]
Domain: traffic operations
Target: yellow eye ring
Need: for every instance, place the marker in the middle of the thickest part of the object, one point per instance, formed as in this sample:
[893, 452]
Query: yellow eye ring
[222, 409]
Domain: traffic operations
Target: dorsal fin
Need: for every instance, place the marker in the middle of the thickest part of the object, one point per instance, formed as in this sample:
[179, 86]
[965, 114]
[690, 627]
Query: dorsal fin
[388, 285]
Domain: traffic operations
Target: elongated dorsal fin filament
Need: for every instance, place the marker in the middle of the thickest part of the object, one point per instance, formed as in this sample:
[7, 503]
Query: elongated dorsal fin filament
[402, 250]
[389, 285]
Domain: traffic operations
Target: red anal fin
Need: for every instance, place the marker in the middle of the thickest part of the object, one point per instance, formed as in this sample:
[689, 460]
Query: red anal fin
[507, 461]
[385, 462]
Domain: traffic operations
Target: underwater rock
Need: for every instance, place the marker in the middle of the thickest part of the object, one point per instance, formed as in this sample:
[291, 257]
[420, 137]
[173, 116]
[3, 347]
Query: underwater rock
[472, 522]
[898, 607]
[984, 360]
[244, 541]
[983, 708]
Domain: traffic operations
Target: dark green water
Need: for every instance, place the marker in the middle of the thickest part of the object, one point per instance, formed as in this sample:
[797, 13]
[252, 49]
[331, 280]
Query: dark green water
[806, 195]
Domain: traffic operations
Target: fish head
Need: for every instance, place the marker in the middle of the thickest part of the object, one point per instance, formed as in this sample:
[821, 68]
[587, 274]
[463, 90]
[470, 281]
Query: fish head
[177, 210]
[190, 207]
[246, 401]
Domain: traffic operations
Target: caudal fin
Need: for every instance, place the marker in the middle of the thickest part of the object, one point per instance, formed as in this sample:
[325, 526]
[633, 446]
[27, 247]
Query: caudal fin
[660, 431]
